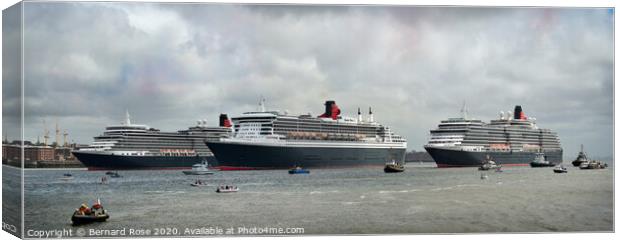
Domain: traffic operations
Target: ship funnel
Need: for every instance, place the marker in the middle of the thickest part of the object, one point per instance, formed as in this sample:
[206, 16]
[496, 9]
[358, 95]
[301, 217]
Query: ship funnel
[370, 116]
[224, 121]
[519, 114]
[331, 110]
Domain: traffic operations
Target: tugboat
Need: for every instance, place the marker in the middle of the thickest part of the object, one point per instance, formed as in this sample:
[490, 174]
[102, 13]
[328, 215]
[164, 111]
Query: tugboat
[489, 164]
[581, 158]
[227, 189]
[298, 170]
[199, 169]
[560, 169]
[394, 167]
[593, 164]
[541, 161]
[85, 215]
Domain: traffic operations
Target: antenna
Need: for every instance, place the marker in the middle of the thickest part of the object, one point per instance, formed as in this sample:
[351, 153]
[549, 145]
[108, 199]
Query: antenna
[127, 117]
[464, 110]
[261, 104]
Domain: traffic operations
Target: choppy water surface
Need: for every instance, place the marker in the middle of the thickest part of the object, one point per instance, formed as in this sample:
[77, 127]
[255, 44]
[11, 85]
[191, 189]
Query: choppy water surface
[335, 201]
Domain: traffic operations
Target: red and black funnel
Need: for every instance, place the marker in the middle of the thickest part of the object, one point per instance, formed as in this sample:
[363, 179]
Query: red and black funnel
[224, 121]
[331, 110]
[519, 114]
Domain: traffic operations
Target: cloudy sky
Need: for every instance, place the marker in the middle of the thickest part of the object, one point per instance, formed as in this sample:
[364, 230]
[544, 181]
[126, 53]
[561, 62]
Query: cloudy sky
[171, 64]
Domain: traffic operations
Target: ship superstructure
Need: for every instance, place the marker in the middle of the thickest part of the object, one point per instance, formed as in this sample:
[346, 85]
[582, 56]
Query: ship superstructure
[509, 140]
[137, 146]
[275, 140]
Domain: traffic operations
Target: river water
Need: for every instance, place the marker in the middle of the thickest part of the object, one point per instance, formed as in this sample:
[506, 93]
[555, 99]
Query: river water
[423, 199]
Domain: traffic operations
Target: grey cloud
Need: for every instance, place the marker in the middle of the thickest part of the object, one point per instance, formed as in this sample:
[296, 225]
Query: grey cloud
[171, 64]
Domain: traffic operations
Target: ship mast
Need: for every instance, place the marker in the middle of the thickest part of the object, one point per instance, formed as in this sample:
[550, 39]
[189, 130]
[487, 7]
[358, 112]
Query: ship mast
[127, 117]
[261, 104]
[464, 111]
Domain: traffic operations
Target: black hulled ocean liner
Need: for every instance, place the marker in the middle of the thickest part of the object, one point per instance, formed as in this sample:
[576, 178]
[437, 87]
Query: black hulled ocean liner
[136, 146]
[271, 140]
[509, 140]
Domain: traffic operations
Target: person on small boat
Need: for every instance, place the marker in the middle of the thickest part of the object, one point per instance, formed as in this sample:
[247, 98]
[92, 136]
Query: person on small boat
[84, 210]
[97, 209]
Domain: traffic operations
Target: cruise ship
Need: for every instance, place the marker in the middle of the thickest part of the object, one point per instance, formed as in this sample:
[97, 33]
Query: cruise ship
[274, 140]
[137, 146]
[510, 140]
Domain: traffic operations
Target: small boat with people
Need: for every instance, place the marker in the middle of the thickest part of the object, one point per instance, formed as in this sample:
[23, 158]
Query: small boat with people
[394, 167]
[227, 189]
[199, 169]
[104, 180]
[85, 215]
[489, 164]
[198, 183]
[298, 170]
[560, 169]
[540, 160]
[593, 164]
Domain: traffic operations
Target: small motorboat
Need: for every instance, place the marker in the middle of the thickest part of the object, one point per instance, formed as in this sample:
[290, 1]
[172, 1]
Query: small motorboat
[593, 164]
[198, 183]
[115, 175]
[298, 170]
[104, 180]
[540, 160]
[79, 219]
[199, 169]
[109, 173]
[66, 177]
[489, 164]
[394, 167]
[85, 215]
[560, 169]
[227, 189]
